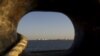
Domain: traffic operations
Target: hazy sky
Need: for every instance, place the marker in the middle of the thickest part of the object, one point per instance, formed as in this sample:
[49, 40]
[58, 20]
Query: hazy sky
[46, 25]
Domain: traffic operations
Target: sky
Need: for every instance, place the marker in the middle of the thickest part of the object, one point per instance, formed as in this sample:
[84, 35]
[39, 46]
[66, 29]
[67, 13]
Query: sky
[46, 25]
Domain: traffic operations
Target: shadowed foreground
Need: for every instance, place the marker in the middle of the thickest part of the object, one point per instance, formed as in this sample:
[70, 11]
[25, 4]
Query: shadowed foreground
[46, 53]
[47, 47]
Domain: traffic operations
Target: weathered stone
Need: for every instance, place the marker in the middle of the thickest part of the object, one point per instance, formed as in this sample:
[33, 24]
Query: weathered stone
[10, 13]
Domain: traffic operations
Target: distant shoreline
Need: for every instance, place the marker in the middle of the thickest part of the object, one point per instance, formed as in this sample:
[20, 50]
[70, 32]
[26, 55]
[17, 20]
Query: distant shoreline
[52, 40]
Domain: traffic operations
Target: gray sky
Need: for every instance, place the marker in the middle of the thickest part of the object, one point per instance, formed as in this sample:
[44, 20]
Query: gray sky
[46, 25]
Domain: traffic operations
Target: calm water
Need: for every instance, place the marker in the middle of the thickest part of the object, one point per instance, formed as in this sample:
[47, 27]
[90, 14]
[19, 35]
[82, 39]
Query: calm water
[43, 45]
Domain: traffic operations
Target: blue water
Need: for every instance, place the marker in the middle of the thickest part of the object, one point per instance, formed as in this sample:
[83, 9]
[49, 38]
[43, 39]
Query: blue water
[43, 45]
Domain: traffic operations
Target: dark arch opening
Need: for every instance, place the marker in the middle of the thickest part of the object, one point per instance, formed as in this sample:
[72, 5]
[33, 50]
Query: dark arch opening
[48, 25]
